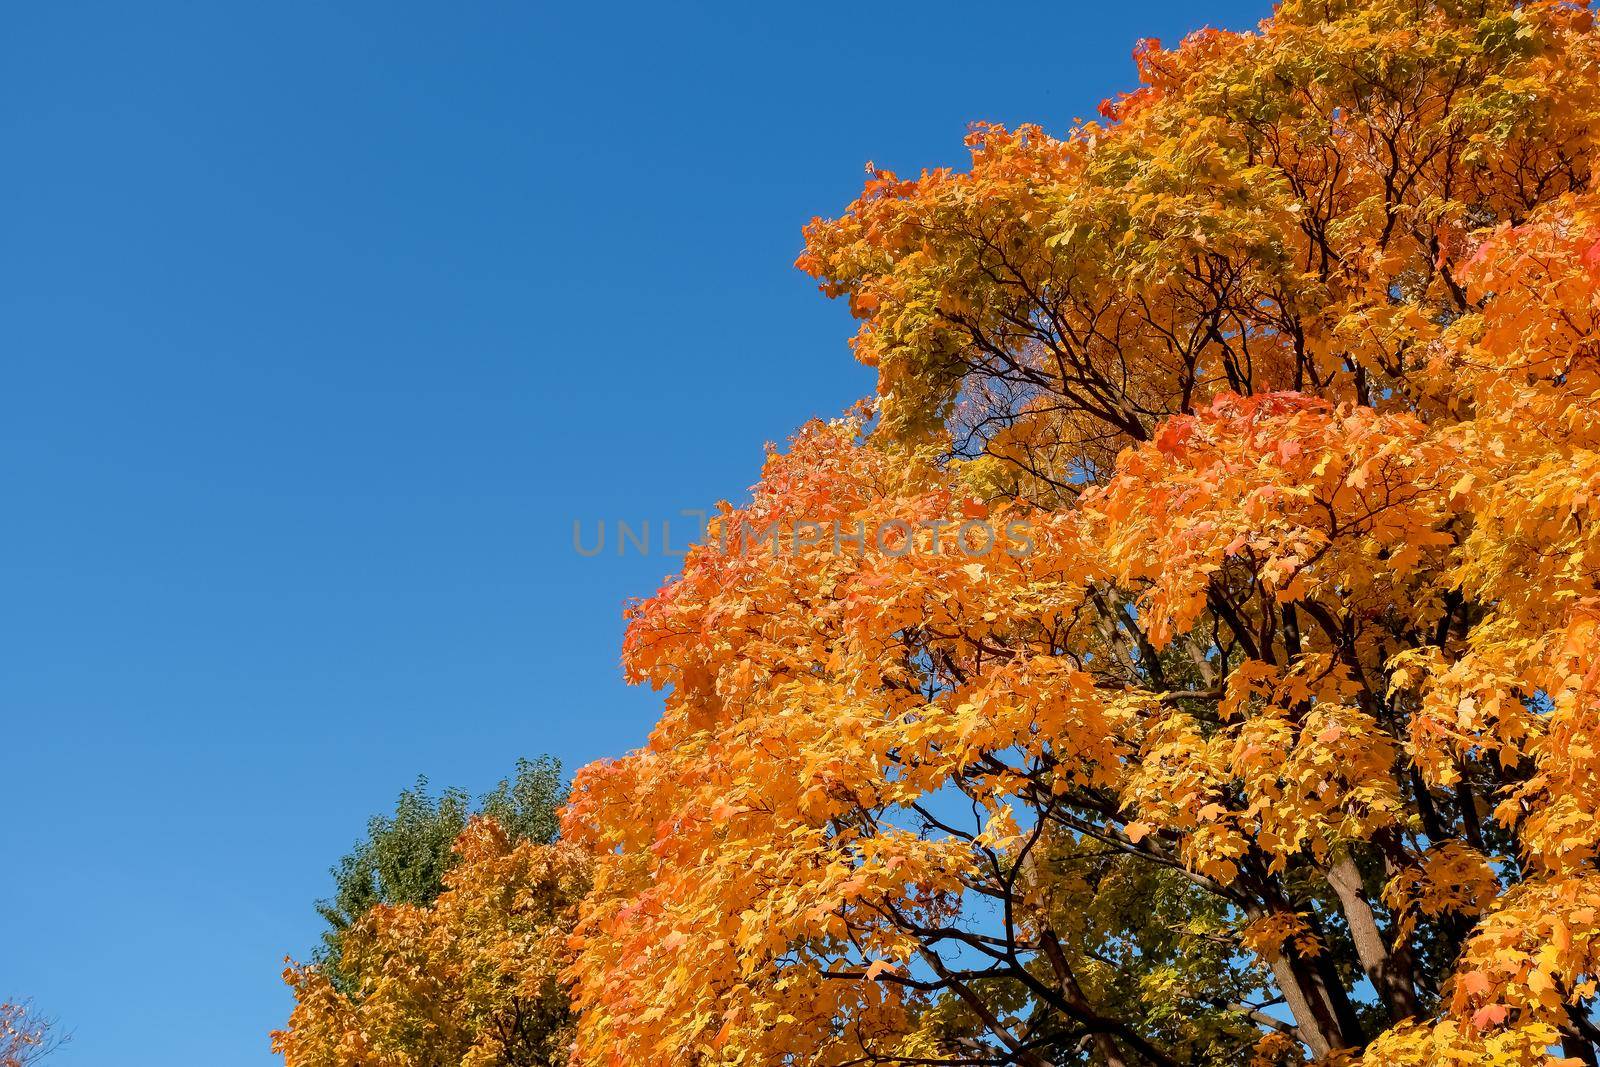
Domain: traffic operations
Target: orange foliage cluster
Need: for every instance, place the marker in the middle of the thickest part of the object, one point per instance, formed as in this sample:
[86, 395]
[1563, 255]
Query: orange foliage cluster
[1291, 368]
[472, 979]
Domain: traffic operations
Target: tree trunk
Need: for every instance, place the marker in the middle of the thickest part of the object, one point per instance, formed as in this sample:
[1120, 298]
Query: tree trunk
[1317, 1016]
[1388, 969]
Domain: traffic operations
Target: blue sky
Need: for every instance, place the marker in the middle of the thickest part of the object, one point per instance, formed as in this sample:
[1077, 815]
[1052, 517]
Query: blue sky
[321, 324]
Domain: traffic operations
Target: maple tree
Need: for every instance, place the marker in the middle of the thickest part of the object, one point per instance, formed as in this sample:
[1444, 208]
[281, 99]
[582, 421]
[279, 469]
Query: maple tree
[471, 978]
[1189, 657]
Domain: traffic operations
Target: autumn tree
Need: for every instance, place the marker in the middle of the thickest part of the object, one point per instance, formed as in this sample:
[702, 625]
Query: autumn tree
[26, 1038]
[470, 978]
[1190, 659]
[404, 857]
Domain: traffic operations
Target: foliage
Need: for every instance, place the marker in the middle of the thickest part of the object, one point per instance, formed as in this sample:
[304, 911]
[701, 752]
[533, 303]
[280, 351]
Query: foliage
[405, 856]
[470, 978]
[25, 1038]
[1277, 734]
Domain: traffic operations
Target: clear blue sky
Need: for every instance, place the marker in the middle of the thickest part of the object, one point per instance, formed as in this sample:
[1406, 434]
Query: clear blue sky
[319, 325]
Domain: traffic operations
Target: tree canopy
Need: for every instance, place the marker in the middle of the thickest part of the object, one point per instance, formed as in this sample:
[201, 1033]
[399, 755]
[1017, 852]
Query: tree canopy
[447, 935]
[26, 1037]
[1273, 735]
[404, 857]
[471, 978]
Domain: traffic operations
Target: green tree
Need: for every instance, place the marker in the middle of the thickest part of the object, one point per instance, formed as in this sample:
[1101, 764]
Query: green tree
[404, 856]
